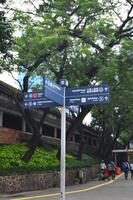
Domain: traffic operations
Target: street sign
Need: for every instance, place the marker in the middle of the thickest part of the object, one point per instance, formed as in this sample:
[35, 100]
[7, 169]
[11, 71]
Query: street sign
[33, 95]
[43, 103]
[53, 91]
[87, 90]
[90, 99]
[36, 100]
[87, 95]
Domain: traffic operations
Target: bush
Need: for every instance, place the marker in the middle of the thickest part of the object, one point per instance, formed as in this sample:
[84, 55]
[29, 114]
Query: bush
[42, 160]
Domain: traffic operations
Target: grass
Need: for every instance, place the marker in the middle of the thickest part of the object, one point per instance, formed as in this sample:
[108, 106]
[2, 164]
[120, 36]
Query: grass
[72, 162]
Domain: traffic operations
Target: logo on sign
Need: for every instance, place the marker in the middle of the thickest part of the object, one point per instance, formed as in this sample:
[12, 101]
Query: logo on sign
[106, 89]
[34, 95]
[106, 98]
[34, 103]
[83, 100]
[101, 89]
[101, 98]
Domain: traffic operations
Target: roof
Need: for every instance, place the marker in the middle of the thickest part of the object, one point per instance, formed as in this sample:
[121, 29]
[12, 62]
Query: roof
[9, 90]
[122, 150]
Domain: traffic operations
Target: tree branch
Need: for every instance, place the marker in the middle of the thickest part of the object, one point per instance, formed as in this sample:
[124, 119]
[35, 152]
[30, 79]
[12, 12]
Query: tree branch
[130, 2]
[74, 10]
[33, 5]
[128, 18]
[16, 80]
[41, 59]
[79, 35]
[118, 35]
[80, 21]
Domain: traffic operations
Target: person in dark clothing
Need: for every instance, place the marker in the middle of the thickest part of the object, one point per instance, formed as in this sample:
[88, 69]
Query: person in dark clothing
[125, 168]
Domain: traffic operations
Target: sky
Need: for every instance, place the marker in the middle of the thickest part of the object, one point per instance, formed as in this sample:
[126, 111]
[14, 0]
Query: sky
[87, 120]
[7, 78]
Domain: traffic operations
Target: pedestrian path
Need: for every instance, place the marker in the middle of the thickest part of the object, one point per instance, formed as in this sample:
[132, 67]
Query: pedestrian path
[51, 192]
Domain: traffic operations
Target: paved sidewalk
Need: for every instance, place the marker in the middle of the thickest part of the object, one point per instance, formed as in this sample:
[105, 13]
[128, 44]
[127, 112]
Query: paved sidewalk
[69, 189]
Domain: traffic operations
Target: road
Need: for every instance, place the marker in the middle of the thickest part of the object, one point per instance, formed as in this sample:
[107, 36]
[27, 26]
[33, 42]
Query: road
[119, 189]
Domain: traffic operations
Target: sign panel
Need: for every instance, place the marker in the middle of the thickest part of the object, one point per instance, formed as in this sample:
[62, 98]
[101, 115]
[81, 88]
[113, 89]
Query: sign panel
[90, 99]
[53, 91]
[36, 100]
[87, 95]
[32, 95]
[87, 90]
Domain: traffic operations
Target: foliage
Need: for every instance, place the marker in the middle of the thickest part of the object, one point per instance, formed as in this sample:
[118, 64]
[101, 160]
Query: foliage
[6, 38]
[85, 42]
[85, 162]
[125, 137]
[11, 159]
[42, 160]
[5, 32]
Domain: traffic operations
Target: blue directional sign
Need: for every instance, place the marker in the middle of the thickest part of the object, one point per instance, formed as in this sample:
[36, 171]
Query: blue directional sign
[85, 100]
[53, 91]
[32, 95]
[36, 100]
[52, 96]
[87, 95]
[86, 90]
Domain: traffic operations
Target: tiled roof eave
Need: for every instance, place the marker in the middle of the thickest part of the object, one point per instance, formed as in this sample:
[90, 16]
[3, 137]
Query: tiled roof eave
[9, 90]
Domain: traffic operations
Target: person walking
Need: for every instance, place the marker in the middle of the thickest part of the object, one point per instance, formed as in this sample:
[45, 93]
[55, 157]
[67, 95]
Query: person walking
[102, 167]
[104, 171]
[131, 170]
[111, 169]
[118, 170]
[125, 168]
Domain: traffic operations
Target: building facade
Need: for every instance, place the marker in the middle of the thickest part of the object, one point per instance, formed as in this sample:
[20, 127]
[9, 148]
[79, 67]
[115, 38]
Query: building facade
[11, 119]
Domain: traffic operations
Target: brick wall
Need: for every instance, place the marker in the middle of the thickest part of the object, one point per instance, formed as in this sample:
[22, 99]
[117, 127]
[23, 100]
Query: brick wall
[9, 136]
[36, 181]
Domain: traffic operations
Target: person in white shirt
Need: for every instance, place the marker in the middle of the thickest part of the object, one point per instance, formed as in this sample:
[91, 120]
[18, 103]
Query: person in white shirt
[131, 169]
[102, 166]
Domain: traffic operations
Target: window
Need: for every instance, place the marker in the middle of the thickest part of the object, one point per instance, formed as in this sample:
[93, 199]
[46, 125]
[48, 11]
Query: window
[58, 133]
[77, 138]
[48, 130]
[95, 142]
[89, 141]
[12, 121]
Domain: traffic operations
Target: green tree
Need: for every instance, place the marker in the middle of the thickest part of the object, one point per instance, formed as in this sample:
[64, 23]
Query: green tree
[74, 40]
[5, 35]
[116, 118]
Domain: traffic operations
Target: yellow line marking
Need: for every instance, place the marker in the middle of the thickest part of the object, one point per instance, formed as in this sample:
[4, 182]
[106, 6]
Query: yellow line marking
[71, 192]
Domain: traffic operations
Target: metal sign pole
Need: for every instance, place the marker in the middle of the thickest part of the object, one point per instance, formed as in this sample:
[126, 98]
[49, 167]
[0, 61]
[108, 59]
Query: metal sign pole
[63, 150]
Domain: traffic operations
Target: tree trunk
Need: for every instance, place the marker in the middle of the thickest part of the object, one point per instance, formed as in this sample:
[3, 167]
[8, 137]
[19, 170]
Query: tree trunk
[77, 122]
[81, 146]
[34, 128]
[27, 156]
